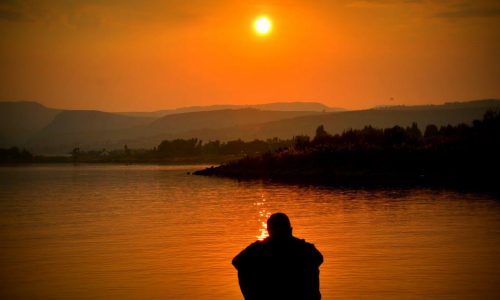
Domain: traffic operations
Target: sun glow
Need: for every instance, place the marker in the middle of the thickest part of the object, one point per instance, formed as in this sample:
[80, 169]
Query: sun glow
[263, 25]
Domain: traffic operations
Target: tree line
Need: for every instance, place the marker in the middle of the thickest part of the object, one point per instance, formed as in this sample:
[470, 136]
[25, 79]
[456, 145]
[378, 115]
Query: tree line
[461, 153]
[184, 151]
[395, 149]
[168, 151]
[15, 155]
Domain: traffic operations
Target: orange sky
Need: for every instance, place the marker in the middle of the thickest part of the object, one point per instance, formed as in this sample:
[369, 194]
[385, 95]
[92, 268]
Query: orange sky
[146, 55]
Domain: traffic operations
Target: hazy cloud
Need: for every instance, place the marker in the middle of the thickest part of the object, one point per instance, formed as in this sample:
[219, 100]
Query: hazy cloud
[449, 9]
[8, 15]
[470, 9]
[372, 3]
[94, 11]
[12, 11]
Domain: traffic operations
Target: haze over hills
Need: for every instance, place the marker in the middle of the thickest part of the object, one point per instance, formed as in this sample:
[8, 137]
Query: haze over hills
[483, 103]
[21, 120]
[83, 126]
[57, 132]
[111, 131]
[91, 120]
[277, 106]
[220, 119]
[338, 122]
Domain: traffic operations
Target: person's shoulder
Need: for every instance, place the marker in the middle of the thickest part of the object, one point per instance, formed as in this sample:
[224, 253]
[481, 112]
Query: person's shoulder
[253, 247]
[257, 245]
[302, 242]
[309, 248]
[248, 254]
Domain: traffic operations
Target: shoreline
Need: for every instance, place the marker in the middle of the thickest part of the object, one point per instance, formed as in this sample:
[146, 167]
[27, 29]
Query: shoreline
[485, 183]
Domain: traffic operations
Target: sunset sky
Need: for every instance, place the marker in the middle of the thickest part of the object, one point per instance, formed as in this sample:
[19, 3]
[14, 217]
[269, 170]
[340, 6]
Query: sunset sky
[125, 55]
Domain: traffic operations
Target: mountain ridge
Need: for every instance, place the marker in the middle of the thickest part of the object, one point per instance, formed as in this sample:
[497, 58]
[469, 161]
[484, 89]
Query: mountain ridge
[90, 129]
[20, 120]
[278, 106]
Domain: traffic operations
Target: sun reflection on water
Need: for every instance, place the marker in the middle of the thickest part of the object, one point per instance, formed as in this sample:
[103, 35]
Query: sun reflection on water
[262, 218]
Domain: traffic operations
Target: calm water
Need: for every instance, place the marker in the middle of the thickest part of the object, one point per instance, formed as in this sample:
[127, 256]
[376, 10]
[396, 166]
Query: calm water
[154, 232]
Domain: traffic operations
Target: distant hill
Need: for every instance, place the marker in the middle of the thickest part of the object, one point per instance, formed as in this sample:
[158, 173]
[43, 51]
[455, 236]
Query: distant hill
[277, 106]
[90, 120]
[20, 120]
[96, 130]
[88, 128]
[219, 119]
[49, 131]
[475, 104]
[439, 115]
[337, 122]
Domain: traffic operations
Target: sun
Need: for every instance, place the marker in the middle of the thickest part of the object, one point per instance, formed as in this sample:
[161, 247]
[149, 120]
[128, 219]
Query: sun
[263, 25]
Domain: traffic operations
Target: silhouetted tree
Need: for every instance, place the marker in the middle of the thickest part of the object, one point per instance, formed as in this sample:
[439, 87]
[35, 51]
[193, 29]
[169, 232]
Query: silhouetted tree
[75, 154]
[301, 142]
[126, 150]
[394, 136]
[14, 155]
[180, 147]
[413, 134]
[431, 131]
[321, 135]
[211, 148]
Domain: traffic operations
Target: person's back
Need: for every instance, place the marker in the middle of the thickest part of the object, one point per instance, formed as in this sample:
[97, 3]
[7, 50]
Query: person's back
[279, 267]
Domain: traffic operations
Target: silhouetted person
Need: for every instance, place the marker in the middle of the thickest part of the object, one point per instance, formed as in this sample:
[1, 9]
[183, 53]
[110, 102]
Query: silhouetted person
[279, 267]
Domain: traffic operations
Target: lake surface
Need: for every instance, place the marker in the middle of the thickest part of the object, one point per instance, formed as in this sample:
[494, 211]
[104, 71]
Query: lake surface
[155, 232]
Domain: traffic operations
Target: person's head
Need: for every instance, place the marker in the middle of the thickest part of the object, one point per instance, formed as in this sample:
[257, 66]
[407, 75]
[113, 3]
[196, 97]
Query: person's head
[278, 225]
